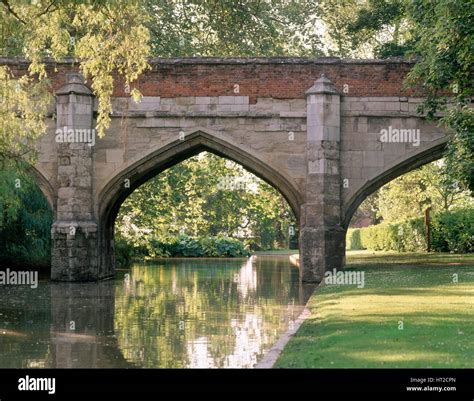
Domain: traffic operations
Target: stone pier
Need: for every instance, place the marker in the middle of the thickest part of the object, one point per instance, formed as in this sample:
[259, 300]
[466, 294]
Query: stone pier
[75, 230]
[322, 239]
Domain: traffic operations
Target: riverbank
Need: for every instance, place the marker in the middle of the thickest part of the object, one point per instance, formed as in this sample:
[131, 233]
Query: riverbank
[414, 311]
[276, 252]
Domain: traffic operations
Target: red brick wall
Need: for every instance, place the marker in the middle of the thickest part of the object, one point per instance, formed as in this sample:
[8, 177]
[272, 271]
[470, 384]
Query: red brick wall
[272, 77]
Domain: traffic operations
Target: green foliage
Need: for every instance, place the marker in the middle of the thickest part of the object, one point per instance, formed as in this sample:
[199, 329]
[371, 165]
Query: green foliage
[368, 213]
[25, 219]
[460, 150]
[108, 37]
[228, 28]
[23, 107]
[445, 56]
[406, 236]
[433, 185]
[353, 239]
[179, 246]
[439, 36]
[454, 232]
[203, 247]
[444, 50]
[124, 251]
[450, 231]
[366, 28]
[391, 49]
[206, 195]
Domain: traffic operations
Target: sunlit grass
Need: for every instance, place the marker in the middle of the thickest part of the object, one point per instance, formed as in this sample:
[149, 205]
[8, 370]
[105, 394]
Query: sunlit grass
[416, 310]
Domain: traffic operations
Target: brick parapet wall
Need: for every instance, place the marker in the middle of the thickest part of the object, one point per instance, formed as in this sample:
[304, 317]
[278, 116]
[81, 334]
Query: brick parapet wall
[277, 78]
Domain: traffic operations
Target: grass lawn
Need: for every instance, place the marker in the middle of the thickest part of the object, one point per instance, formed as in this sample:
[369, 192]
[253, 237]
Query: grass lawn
[359, 328]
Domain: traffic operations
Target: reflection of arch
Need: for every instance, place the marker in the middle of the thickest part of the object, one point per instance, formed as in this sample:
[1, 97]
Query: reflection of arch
[114, 193]
[394, 171]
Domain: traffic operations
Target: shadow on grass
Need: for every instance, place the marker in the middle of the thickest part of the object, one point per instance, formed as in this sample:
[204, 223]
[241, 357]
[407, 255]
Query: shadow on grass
[411, 317]
[371, 344]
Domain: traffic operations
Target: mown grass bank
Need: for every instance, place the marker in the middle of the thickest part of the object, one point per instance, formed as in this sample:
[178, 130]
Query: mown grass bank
[410, 313]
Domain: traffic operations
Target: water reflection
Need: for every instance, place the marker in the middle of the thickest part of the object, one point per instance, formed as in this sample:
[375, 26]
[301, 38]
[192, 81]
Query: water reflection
[176, 313]
[82, 326]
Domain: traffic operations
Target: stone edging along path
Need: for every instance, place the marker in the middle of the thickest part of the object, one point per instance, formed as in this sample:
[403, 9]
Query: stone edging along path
[272, 355]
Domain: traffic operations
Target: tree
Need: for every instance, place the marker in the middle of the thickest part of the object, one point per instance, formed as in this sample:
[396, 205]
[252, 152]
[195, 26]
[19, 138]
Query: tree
[23, 107]
[429, 186]
[367, 213]
[439, 37]
[367, 28]
[107, 38]
[25, 218]
[445, 57]
[206, 195]
[384, 26]
[233, 28]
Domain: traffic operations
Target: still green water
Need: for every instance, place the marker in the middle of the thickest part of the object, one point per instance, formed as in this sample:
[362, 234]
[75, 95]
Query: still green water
[176, 313]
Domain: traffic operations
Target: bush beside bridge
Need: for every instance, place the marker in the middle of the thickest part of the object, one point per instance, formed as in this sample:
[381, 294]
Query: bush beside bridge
[450, 232]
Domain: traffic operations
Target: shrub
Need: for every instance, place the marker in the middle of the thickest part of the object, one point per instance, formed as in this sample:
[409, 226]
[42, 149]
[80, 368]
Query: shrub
[230, 247]
[453, 231]
[353, 240]
[405, 236]
[124, 252]
[450, 232]
[181, 246]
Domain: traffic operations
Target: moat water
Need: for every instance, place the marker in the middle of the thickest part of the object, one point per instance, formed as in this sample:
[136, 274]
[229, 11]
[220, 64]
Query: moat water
[175, 313]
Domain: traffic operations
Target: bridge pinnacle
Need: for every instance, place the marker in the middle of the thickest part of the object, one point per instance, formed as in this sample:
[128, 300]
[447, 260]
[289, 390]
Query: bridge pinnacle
[74, 78]
[74, 84]
[322, 85]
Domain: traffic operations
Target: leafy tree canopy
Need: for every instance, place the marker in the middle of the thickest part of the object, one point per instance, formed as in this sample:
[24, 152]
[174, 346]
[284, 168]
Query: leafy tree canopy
[409, 195]
[207, 195]
[106, 37]
[444, 71]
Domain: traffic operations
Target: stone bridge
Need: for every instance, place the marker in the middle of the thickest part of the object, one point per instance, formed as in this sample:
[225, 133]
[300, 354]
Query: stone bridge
[326, 133]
